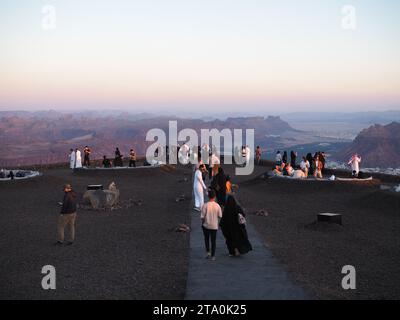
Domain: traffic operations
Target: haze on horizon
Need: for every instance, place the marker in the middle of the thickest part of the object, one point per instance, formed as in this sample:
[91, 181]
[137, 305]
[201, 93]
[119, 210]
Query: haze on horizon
[212, 56]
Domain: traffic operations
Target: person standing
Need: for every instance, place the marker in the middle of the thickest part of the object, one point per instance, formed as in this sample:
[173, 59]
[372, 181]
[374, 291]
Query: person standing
[167, 153]
[198, 188]
[78, 158]
[72, 158]
[228, 185]
[305, 166]
[198, 153]
[118, 158]
[233, 228]
[244, 155]
[258, 155]
[205, 151]
[278, 158]
[293, 157]
[310, 160]
[355, 164]
[323, 161]
[210, 163]
[67, 215]
[284, 158]
[248, 154]
[318, 167]
[210, 214]
[184, 154]
[132, 158]
[219, 185]
[214, 165]
[86, 156]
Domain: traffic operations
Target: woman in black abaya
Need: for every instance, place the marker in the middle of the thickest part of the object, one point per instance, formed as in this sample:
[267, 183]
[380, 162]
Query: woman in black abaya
[235, 233]
[218, 183]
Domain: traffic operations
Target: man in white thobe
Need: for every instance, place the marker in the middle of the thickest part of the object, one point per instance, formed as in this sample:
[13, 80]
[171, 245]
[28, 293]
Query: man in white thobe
[248, 154]
[184, 154]
[72, 159]
[198, 188]
[355, 164]
[78, 159]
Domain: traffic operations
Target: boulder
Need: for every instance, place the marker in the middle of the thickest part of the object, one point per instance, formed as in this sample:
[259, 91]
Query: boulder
[102, 198]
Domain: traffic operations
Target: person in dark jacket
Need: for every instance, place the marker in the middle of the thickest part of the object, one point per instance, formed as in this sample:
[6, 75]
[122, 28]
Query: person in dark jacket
[118, 158]
[284, 157]
[106, 162]
[67, 215]
[293, 157]
[235, 233]
[218, 183]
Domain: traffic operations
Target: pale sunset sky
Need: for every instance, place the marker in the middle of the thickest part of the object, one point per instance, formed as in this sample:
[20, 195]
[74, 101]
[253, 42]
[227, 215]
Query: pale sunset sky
[237, 55]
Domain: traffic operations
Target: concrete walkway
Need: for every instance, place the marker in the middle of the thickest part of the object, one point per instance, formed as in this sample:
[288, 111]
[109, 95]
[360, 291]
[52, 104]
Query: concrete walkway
[254, 276]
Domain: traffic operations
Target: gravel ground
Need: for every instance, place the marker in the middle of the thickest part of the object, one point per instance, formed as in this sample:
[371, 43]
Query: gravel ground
[131, 253]
[314, 254]
[134, 253]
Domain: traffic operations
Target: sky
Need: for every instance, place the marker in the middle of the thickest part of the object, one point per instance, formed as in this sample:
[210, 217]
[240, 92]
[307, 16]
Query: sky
[204, 56]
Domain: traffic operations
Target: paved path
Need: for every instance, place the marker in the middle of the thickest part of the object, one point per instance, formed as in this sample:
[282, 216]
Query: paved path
[254, 276]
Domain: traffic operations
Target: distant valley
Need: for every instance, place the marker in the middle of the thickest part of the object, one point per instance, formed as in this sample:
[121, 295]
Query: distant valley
[46, 137]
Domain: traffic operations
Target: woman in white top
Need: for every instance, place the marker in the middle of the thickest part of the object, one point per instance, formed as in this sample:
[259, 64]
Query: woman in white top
[198, 188]
[305, 166]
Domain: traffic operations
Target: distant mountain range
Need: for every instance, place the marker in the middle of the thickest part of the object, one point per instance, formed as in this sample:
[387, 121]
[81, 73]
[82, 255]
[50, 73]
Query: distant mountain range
[378, 145]
[45, 137]
[32, 138]
[367, 117]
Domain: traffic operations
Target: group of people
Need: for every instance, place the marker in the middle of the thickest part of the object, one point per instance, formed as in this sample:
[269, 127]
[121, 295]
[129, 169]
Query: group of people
[118, 159]
[75, 158]
[309, 165]
[3, 174]
[222, 210]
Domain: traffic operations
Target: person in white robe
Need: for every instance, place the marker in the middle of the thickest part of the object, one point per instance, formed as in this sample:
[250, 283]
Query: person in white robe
[198, 188]
[205, 153]
[184, 154]
[355, 164]
[248, 154]
[72, 159]
[214, 164]
[78, 159]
